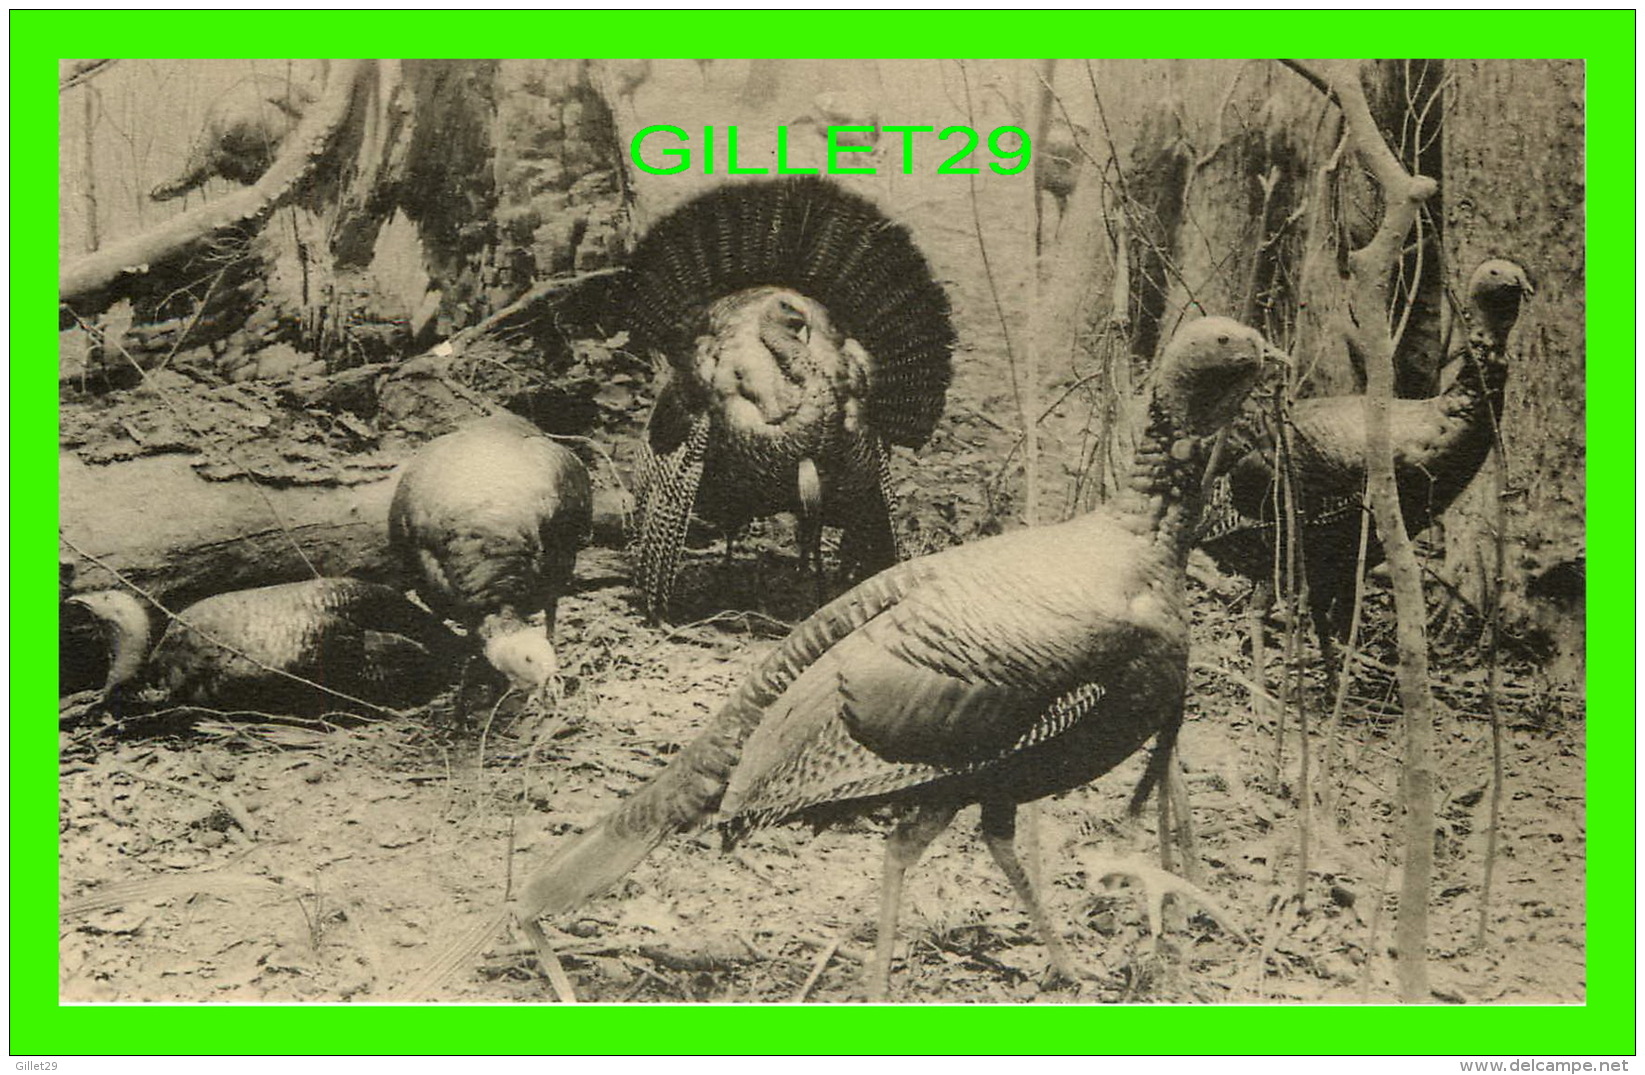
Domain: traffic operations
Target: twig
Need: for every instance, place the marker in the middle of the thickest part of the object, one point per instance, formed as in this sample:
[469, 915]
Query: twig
[462, 953]
[1345, 672]
[1493, 674]
[987, 265]
[820, 964]
[1313, 79]
[480, 754]
[536, 294]
[164, 886]
[227, 800]
[1371, 269]
[83, 71]
[549, 961]
[719, 617]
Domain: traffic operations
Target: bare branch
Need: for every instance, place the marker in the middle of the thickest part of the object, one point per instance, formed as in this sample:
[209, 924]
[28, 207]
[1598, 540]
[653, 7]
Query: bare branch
[82, 71]
[81, 283]
[1372, 269]
[1313, 79]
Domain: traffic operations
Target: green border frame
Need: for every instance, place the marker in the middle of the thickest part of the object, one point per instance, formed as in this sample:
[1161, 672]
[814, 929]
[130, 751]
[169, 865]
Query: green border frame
[1605, 1025]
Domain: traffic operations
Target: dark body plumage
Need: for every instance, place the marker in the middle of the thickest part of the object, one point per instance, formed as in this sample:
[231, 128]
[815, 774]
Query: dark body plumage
[1439, 445]
[487, 521]
[804, 335]
[997, 672]
[273, 649]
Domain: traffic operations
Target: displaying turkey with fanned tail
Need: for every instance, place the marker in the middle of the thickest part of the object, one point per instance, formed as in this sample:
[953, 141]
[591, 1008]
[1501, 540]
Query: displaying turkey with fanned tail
[1439, 445]
[995, 673]
[297, 648]
[488, 521]
[804, 336]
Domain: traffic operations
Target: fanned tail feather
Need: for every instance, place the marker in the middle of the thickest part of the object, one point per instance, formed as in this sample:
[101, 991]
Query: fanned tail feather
[834, 246]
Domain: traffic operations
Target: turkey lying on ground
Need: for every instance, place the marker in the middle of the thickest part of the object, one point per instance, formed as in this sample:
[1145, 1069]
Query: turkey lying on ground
[994, 673]
[804, 335]
[295, 648]
[1439, 445]
[487, 521]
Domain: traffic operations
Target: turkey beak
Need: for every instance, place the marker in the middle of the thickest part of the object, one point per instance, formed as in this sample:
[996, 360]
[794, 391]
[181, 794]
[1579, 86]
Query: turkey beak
[550, 693]
[1275, 360]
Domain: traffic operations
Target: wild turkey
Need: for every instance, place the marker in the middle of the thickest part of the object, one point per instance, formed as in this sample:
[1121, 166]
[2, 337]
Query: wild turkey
[241, 135]
[488, 520]
[1439, 445]
[998, 672]
[805, 335]
[843, 108]
[1057, 166]
[297, 648]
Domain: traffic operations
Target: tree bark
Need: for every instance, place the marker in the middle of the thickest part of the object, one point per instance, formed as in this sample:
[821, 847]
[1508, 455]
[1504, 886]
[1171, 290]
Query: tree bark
[161, 526]
[1370, 302]
[88, 286]
[156, 523]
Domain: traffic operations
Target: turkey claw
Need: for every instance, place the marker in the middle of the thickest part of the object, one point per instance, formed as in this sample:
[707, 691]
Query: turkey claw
[1156, 885]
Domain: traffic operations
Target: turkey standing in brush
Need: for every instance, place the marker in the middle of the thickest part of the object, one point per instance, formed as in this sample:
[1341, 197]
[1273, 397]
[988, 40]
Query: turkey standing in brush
[487, 520]
[1439, 445]
[1057, 165]
[298, 647]
[805, 335]
[995, 673]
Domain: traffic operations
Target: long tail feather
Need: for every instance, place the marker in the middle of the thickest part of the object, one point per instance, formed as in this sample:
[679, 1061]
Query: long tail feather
[688, 792]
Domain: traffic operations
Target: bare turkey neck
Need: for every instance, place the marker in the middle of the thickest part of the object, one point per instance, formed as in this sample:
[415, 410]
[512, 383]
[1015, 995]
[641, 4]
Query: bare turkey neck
[128, 648]
[1162, 494]
[1496, 314]
[1483, 376]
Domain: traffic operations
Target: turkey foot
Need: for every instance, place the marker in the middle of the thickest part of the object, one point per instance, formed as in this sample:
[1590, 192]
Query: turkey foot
[1157, 884]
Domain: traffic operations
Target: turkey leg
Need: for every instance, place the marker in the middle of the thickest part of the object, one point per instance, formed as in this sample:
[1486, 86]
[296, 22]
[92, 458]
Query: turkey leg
[903, 848]
[999, 831]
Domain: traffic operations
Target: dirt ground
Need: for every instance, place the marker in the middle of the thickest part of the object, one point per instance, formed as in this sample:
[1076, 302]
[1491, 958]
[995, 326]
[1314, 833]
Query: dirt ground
[207, 859]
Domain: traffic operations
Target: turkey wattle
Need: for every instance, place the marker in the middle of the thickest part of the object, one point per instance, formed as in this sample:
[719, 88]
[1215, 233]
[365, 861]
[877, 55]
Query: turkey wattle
[487, 521]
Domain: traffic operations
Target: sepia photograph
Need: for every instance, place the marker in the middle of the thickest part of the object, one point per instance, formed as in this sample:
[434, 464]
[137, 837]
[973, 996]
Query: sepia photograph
[822, 531]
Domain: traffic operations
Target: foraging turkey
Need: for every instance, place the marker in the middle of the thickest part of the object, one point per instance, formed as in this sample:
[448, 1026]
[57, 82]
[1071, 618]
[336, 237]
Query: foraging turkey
[805, 336]
[297, 647]
[1439, 445]
[241, 136]
[488, 520]
[996, 673]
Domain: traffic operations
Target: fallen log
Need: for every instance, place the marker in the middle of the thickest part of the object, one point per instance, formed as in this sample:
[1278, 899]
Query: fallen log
[156, 524]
